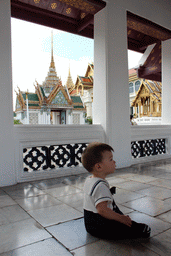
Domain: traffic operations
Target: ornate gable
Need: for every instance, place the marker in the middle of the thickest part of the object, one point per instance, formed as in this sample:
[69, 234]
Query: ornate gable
[148, 88]
[60, 99]
[20, 102]
[90, 70]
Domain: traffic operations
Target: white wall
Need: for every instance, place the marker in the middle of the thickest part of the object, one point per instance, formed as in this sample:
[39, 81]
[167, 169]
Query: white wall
[27, 136]
[7, 173]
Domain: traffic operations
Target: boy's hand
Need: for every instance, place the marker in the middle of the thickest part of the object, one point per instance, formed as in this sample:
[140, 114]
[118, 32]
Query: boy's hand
[126, 220]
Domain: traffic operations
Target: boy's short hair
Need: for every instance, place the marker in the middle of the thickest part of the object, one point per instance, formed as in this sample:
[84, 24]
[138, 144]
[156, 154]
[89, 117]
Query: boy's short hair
[93, 154]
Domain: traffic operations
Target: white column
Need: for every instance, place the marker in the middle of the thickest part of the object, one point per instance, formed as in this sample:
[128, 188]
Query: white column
[166, 82]
[7, 170]
[111, 90]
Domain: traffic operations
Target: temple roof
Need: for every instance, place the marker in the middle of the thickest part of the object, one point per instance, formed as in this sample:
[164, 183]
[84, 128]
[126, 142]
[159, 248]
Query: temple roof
[152, 88]
[77, 103]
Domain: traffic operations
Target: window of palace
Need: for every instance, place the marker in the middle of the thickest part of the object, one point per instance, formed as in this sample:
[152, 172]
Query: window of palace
[131, 87]
[137, 85]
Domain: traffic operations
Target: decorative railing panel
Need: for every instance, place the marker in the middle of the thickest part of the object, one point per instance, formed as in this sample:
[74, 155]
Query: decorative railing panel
[54, 156]
[145, 148]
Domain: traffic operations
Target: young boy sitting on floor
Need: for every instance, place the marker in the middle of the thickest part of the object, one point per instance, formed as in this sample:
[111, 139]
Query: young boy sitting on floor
[102, 217]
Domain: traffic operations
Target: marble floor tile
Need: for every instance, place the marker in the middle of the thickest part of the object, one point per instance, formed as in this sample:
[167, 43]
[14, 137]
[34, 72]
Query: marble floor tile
[20, 234]
[55, 214]
[148, 205]
[124, 209]
[2, 193]
[156, 192]
[121, 191]
[75, 200]
[63, 190]
[166, 216]
[157, 226]
[133, 185]
[114, 180]
[143, 178]
[46, 184]
[166, 167]
[37, 202]
[24, 192]
[80, 209]
[126, 175]
[24, 185]
[79, 185]
[150, 171]
[76, 181]
[123, 198]
[163, 175]
[11, 214]
[160, 244]
[162, 183]
[114, 248]
[6, 200]
[72, 234]
[48, 247]
[57, 204]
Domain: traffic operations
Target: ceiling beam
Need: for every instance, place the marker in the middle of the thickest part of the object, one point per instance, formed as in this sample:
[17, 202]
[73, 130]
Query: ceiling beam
[46, 18]
[89, 19]
[147, 27]
[145, 73]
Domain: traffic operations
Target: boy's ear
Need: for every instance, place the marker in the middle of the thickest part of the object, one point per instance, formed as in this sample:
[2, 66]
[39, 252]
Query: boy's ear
[97, 166]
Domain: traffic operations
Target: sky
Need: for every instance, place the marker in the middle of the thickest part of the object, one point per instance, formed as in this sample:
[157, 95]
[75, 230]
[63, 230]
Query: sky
[31, 54]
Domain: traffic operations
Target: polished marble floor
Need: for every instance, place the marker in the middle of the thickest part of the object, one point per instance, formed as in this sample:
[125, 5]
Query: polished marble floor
[45, 218]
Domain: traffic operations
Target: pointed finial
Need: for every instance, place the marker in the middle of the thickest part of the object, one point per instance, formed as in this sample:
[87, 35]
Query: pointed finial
[15, 91]
[52, 65]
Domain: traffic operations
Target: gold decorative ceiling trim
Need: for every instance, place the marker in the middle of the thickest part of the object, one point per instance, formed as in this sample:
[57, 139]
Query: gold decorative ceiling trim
[81, 5]
[147, 27]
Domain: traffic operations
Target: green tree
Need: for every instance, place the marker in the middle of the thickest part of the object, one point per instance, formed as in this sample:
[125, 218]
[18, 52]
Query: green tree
[16, 121]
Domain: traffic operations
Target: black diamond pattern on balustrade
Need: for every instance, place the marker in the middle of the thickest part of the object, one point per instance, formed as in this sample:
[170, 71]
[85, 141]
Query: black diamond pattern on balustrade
[50, 157]
[145, 148]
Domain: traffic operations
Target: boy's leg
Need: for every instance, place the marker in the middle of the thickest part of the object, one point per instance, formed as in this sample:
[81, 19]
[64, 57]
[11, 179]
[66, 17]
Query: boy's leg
[101, 227]
[116, 230]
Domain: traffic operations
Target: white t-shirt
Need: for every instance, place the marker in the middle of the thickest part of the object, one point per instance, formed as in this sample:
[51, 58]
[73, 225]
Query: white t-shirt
[96, 190]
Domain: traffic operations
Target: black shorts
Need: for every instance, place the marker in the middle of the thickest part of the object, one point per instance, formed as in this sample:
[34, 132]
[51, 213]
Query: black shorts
[104, 228]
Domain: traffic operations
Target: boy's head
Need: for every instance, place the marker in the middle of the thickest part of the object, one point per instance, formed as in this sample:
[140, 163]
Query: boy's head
[93, 154]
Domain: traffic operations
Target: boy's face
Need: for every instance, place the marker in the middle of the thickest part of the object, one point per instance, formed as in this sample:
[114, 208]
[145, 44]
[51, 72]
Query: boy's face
[108, 165]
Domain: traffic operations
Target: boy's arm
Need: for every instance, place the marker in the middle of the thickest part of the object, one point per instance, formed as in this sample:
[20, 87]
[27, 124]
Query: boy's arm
[108, 213]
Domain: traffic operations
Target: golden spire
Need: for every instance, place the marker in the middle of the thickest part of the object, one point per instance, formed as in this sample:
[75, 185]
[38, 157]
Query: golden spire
[52, 64]
[69, 82]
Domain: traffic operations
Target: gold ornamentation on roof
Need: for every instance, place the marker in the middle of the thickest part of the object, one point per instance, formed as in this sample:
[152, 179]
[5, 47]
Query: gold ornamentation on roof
[53, 5]
[68, 10]
[153, 68]
[83, 15]
[80, 4]
[36, 1]
[129, 32]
